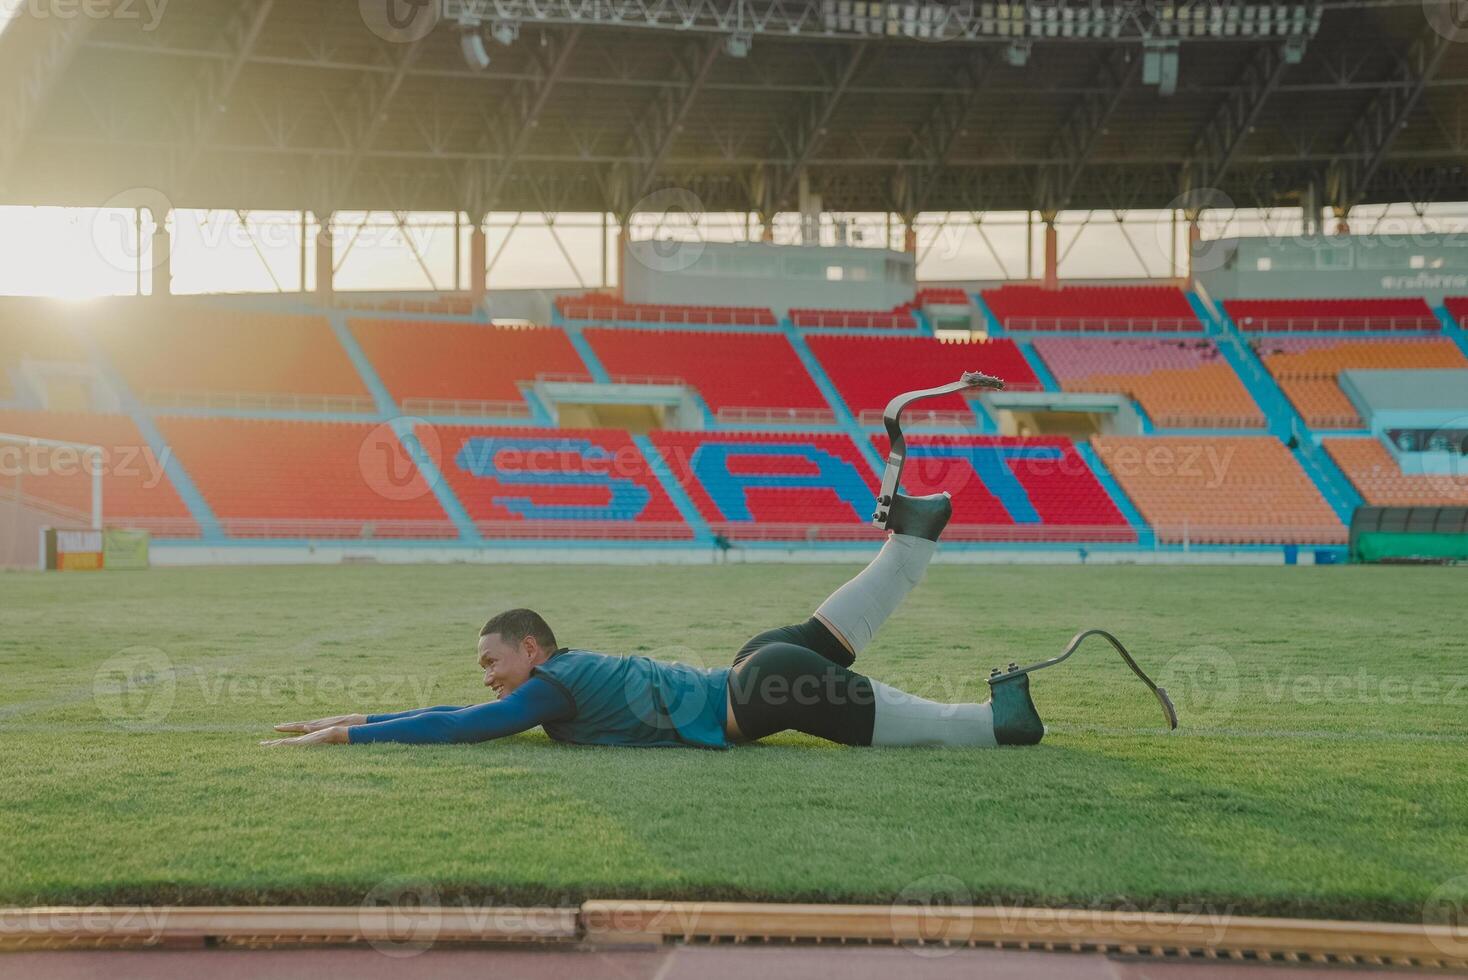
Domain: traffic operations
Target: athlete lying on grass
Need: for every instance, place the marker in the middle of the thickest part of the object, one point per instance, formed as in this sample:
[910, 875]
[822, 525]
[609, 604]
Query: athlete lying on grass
[795, 677]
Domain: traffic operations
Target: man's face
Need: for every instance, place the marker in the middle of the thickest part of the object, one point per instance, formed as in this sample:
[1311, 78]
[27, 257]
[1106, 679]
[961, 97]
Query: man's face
[507, 665]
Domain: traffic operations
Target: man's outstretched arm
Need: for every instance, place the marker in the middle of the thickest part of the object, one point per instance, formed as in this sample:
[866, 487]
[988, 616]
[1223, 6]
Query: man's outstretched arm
[536, 702]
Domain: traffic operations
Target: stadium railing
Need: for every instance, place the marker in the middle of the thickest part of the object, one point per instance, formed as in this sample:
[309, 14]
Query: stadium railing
[804, 415]
[1319, 324]
[1102, 324]
[254, 402]
[465, 407]
[873, 416]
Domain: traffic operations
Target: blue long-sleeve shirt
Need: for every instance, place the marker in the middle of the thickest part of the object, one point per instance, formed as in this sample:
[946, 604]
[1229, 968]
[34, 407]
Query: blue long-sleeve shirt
[533, 703]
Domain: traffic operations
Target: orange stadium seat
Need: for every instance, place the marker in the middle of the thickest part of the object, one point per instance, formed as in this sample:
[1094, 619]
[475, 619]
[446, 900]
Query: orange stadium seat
[730, 370]
[1381, 482]
[429, 362]
[1179, 383]
[266, 478]
[1220, 490]
[196, 354]
[868, 371]
[136, 492]
[1307, 369]
[1125, 309]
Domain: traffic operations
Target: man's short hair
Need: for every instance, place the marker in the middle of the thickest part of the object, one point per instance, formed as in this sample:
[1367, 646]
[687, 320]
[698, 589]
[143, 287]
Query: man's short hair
[516, 624]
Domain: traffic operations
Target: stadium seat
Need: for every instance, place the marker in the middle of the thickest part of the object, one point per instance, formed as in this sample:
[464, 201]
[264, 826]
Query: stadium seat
[268, 479]
[732, 371]
[1124, 309]
[1375, 473]
[136, 493]
[554, 483]
[1011, 489]
[942, 296]
[1179, 383]
[429, 366]
[777, 486]
[1223, 490]
[1314, 315]
[1307, 369]
[868, 371]
[193, 354]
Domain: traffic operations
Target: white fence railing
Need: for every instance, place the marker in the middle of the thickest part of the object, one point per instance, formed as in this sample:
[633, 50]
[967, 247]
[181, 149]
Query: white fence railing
[1103, 324]
[465, 407]
[244, 401]
[1318, 324]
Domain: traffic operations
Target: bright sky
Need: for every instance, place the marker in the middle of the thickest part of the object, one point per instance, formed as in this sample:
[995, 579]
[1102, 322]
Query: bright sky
[74, 252]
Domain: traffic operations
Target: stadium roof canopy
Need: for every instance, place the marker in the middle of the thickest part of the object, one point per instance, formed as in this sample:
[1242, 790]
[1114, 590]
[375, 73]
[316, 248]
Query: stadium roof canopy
[597, 104]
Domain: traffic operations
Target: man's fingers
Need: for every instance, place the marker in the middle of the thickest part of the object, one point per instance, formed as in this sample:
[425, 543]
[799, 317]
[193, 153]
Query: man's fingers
[291, 726]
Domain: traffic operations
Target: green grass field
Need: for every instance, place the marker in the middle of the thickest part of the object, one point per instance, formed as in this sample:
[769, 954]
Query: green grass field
[1322, 767]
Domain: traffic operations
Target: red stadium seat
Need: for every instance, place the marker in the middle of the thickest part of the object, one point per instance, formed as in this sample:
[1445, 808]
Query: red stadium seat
[730, 370]
[868, 371]
[1315, 315]
[1121, 309]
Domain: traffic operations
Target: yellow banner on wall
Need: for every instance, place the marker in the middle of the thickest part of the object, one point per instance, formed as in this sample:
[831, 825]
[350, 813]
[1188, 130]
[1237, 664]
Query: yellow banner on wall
[124, 549]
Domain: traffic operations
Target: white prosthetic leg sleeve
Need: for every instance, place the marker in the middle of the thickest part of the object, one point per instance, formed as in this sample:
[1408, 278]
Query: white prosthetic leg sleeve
[906, 719]
[861, 606]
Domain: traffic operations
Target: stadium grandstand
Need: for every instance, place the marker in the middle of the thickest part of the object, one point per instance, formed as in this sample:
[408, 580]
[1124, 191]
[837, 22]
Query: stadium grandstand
[732, 391]
[437, 372]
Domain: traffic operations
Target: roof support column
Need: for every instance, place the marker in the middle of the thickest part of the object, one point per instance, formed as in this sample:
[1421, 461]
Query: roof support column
[325, 257]
[1051, 274]
[162, 255]
[478, 259]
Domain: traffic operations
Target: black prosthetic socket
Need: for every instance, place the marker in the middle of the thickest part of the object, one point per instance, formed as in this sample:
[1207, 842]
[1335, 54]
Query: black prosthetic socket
[921, 517]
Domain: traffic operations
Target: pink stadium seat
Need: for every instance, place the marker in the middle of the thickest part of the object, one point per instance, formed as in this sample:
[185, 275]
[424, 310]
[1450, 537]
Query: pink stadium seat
[1312, 315]
[1179, 383]
[1308, 369]
[1052, 496]
[868, 371]
[554, 483]
[135, 491]
[730, 370]
[1222, 490]
[1381, 482]
[1125, 309]
[306, 479]
[423, 361]
[183, 353]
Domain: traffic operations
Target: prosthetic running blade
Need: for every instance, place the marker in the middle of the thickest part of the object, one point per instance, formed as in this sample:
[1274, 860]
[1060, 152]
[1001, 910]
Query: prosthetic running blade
[897, 454]
[1014, 671]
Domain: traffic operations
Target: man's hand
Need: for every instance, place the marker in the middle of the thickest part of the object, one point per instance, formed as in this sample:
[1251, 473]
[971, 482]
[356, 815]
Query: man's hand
[320, 723]
[336, 735]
